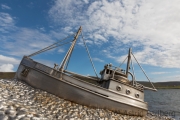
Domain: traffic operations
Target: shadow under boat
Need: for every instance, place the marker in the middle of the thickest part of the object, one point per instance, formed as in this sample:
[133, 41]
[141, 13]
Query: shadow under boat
[112, 91]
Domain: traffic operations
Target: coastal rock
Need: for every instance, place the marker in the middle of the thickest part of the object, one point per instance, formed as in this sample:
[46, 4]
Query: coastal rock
[20, 101]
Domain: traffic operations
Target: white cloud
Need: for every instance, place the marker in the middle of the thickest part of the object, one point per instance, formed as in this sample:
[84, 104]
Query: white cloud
[18, 41]
[42, 29]
[7, 63]
[150, 27]
[6, 68]
[67, 29]
[86, 1]
[61, 50]
[25, 41]
[98, 59]
[167, 78]
[6, 19]
[8, 60]
[68, 9]
[5, 7]
[6, 22]
[159, 73]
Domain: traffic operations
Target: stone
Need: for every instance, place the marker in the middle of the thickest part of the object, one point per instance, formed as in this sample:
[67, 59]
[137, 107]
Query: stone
[20, 101]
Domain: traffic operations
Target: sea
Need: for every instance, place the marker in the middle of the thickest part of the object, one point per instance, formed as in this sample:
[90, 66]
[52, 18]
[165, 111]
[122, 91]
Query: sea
[164, 102]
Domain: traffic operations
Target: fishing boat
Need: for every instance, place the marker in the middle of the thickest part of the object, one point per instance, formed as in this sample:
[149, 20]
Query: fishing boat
[112, 91]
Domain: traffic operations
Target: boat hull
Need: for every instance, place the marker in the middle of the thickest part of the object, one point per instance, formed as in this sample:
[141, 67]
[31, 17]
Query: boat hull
[82, 93]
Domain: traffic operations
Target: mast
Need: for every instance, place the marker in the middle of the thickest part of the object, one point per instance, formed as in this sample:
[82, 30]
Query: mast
[128, 62]
[68, 54]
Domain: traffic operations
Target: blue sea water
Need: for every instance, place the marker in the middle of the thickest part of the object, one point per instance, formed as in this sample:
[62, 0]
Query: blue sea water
[164, 102]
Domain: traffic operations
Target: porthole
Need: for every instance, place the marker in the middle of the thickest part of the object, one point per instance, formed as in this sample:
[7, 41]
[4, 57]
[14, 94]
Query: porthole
[128, 91]
[137, 95]
[118, 88]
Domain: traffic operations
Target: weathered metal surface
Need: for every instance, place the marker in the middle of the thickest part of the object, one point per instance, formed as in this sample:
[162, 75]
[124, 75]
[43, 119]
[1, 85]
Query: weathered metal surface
[79, 91]
[113, 86]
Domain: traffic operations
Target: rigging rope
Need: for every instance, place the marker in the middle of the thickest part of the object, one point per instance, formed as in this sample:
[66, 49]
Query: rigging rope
[134, 81]
[89, 55]
[143, 71]
[56, 44]
[49, 47]
[69, 59]
[123, 61]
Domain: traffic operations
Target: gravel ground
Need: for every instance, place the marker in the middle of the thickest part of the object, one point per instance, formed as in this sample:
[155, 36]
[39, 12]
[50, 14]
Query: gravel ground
[18, 101]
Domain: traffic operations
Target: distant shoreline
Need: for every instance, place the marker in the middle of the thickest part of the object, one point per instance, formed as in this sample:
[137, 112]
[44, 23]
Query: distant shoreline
[7, 75]
[167, 87]
[162, 85]
[158, 85]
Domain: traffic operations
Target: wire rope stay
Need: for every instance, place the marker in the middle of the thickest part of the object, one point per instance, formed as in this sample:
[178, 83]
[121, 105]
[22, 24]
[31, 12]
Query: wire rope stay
[144, 72]
[89, 55]
[123, 61]
[54, 45]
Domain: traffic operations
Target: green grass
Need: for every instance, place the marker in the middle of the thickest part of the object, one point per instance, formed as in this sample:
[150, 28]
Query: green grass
[163, 85]
[7, 75]
[168, 87]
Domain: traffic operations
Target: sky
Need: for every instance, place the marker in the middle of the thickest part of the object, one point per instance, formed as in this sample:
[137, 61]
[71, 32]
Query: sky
[110, 28]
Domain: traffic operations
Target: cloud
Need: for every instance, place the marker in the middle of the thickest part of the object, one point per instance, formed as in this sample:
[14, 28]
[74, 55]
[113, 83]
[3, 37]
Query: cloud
[6, 68]
[6, 22]
[61, 50]
[19, 41]
[5, 7]
[6, 19]
[7, 63]
[22, 41]
[167, 78]
[25, 41]
[151, 28]
[97, 59]
[159, 73]
[8, 60]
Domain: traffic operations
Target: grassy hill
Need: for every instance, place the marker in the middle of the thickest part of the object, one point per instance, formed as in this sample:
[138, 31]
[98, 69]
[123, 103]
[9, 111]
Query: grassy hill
[7, 75]
[163, 85]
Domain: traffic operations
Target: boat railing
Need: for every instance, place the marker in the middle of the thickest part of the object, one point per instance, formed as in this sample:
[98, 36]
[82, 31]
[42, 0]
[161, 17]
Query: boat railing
[121, 75]
[82, 76]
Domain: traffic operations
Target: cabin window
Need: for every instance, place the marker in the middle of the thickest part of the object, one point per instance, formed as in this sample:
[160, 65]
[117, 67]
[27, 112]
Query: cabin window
[108, 71]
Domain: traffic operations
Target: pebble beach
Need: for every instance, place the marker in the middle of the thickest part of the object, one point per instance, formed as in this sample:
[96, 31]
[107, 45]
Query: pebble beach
[19, 101]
